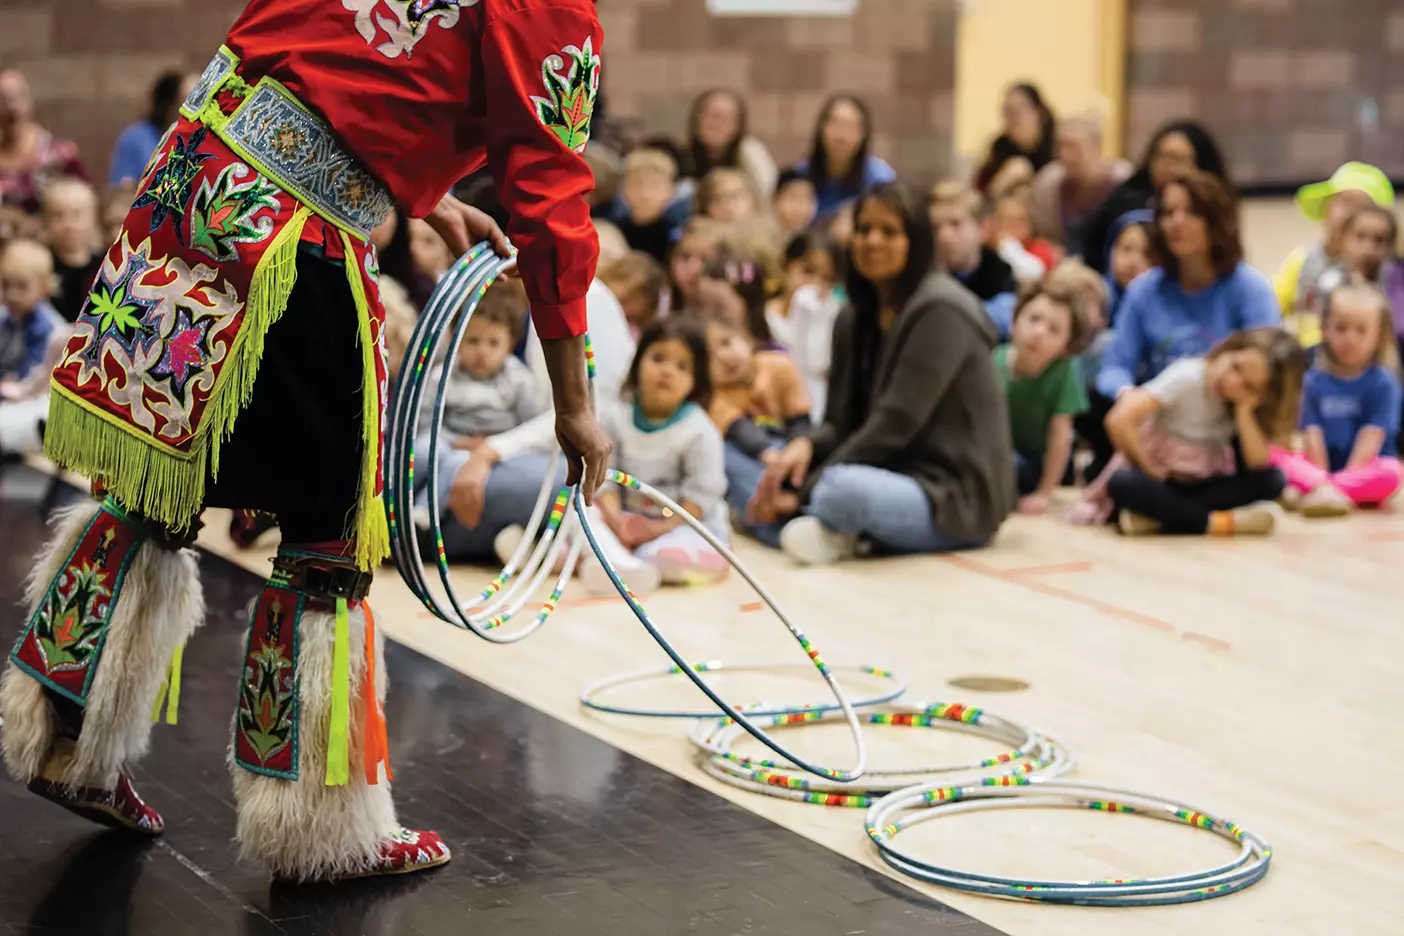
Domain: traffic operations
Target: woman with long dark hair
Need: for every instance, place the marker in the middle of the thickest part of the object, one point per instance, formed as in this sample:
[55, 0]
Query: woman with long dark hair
[840, 163]
[1025, 146]
[913, 455]
[717, 137]
[1177, 148]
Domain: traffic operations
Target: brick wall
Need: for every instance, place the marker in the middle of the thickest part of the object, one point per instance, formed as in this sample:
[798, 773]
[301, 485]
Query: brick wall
[91, 63]
[1292, 88]
[899, 55]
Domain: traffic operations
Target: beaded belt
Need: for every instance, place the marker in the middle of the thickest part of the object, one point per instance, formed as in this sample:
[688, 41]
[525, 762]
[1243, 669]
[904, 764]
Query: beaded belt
[291, 145]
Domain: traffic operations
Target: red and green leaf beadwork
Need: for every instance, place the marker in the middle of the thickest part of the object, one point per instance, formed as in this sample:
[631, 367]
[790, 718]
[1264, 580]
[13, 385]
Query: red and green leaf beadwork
[572, 80]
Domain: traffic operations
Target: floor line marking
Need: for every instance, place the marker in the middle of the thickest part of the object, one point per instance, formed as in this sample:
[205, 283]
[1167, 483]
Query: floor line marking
[1111, 610]
[1058, 569]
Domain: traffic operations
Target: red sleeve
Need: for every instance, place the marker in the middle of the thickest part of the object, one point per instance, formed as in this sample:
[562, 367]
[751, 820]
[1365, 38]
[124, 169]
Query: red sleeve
[542, 69]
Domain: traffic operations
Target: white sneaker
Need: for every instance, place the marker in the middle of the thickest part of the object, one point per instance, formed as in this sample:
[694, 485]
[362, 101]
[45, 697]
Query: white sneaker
[809, 542]
[505, 543]
[641, 578]
[422, 520]
[1325, 501]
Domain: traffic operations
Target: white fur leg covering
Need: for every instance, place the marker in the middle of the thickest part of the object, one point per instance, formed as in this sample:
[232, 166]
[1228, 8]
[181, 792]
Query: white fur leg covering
[29, 720]
[160, 606]
[303, 829]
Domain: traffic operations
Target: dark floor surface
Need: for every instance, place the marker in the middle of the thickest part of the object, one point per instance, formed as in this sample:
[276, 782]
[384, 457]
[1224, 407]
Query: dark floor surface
[553, 831]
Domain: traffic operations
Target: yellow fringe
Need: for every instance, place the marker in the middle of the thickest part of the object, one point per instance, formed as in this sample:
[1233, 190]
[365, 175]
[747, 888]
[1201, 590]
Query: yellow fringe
[214, 118]
[171, 682]
[157, 482]
[371, 534]
[339, 733]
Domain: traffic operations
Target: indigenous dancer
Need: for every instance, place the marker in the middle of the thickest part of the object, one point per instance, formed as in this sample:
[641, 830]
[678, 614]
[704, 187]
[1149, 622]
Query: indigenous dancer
[230, 354]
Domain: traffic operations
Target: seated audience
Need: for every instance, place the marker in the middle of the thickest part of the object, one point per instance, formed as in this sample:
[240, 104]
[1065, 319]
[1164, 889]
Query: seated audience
[1011, 234]
[1350, 410]
[661, 432]
[725, 195]
[1043, 389]
[490, 391]
[30, 156]
[1367, 238]
[1176, 149]
[646, 216]
[1353, 186]
[71, 229]
[613, 245]
[717, 138]
[1130, 256]
[32, 339]
[733, 290]
[1194, 442]
[795, 204]
[1068, 189]
[637, 281]
[913, 455]
[840, 162]
[139, 140]
[801, 318]
[1202, 292]
[1023, 148]
[428, 252]
[114, 212]
[959, 216]
[701, 239]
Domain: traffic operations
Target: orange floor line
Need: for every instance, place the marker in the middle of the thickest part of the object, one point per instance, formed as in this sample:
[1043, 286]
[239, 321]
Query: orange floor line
[1050, 569]
[1052, 591]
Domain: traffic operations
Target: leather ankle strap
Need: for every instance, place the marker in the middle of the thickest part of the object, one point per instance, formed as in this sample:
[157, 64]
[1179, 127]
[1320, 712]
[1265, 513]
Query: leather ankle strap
[322, 577]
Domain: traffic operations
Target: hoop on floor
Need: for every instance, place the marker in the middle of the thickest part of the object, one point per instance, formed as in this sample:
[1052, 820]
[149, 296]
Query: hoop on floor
[1034, 754]
[932, 801]
[458, 294]
[589, 697]
[742, 719]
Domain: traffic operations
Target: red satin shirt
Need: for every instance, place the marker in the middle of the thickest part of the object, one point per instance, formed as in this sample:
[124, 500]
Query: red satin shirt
[425, 92]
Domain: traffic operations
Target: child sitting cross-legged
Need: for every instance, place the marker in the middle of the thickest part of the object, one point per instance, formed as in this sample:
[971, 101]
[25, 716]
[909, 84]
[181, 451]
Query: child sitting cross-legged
[1043, 389]
[662, 435]
[1350, 411]
[1193, 442]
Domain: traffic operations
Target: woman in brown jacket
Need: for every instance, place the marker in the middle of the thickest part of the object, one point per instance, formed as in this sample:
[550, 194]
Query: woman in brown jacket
[913, 455]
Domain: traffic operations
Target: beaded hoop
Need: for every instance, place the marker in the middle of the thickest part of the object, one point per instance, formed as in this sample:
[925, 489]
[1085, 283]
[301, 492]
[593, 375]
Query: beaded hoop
[464, 286]
[1035, 754]
[662, 500]
[932, 801]
[588, 695]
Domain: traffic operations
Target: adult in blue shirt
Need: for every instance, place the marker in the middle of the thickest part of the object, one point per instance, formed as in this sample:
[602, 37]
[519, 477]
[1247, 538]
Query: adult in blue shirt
[1202, 292]
[840, 164]
[138, 141]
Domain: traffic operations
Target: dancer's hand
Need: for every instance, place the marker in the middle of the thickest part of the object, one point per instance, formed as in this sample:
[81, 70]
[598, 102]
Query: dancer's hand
[469, 489]
[587, 450]
[461, 226]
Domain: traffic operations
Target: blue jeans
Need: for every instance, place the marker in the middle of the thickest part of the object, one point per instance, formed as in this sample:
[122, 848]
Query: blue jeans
[743, 474]
[512, 489]
[1028, 472]
[888, 508]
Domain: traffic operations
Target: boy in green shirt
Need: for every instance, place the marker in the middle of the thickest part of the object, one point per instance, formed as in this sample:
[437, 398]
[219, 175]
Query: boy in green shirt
[1043, 389]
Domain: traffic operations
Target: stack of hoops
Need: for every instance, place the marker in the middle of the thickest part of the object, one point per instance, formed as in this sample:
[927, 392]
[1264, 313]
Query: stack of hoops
[1028, 771]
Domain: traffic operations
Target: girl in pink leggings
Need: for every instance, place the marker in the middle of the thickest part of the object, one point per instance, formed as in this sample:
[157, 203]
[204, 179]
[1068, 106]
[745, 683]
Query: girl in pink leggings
[1350, 410]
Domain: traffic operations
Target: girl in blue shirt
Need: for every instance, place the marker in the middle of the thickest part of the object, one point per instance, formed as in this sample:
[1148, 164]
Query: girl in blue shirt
[839, 162]
[1350, 410]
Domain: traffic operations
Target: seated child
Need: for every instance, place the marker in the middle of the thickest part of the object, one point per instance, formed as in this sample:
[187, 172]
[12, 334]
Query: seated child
[1193, 443]
[428, 252]
[795, 204]
[1354, 185]
[801, 319]
[115, 210]
[1350, 411]
[759, 402]
[961, 219]
[1130, 256]
[637, 281]
[1043, 389]
[70, 218]
[491, 390]
[725, 195]
[699, 243]
[613, 244]
[32, 339]
[1367, 240]
[645, 216]
[661, 434]
[733, 289]
[1012, 236]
